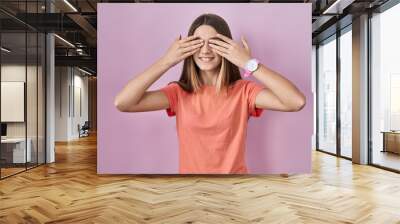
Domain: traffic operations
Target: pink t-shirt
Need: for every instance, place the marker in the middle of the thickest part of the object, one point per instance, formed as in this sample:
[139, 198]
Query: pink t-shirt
[212, 129]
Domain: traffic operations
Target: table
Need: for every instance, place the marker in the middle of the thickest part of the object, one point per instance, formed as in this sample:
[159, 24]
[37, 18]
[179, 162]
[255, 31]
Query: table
[16, 147]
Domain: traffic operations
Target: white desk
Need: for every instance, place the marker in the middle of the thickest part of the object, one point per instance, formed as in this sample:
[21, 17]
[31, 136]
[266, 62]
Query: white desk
[18, 149]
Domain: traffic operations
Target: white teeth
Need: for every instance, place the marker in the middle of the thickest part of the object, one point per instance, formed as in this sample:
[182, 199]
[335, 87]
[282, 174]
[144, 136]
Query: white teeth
[206, 59]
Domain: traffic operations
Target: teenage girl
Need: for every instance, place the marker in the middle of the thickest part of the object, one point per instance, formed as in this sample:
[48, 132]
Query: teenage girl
[211, 101]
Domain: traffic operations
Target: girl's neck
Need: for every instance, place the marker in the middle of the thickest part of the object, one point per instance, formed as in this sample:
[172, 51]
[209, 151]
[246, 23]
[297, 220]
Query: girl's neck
[209, 77]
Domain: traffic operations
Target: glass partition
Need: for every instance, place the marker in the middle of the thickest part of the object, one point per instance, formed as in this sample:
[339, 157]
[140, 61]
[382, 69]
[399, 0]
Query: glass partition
[41, 91]
[13, 105]
[22, 101]
[31, 100]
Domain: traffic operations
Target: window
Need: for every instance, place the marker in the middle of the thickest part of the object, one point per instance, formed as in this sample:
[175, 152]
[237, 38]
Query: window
[385, 88]
[327, 95]
[346, 75]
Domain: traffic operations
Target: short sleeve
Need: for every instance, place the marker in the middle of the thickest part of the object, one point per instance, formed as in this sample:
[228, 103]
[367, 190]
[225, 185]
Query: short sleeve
[252, 89]
[171, 91]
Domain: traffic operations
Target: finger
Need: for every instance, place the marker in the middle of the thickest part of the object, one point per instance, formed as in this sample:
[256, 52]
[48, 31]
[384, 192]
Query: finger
[190, 48]
[219, 52]
[214, 46]
[245, 43]
[190, 43]
[189, 38]
[220, 43]
[226, 39]
[187, 54]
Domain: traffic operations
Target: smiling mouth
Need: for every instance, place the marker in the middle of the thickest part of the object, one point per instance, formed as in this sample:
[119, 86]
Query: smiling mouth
[206, 59]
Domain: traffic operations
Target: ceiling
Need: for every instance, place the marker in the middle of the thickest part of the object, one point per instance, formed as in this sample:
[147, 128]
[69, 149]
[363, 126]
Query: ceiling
[76, 22]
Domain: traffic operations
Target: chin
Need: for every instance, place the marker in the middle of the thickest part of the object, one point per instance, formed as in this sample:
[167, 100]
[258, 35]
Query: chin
[208, 68]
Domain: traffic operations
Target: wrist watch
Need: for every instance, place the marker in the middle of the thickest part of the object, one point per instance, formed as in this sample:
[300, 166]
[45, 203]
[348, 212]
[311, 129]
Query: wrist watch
[250, 67]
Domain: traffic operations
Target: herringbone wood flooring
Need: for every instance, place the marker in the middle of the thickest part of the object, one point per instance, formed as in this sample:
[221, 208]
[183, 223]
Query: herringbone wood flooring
[70, 191]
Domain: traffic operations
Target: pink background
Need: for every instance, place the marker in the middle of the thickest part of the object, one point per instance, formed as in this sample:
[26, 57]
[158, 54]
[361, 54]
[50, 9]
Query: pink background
[132, 36]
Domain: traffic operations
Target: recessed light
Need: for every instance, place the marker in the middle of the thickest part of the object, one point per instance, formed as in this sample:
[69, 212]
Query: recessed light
[70, 5]
[86, 72]
[64, 40]
[5, 49]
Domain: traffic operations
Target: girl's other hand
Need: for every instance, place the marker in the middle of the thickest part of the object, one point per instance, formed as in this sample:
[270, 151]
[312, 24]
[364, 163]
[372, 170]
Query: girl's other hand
[231, 50]
[181, 49]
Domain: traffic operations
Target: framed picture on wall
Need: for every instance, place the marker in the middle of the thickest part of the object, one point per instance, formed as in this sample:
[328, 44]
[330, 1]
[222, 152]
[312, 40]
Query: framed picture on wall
[12, 101]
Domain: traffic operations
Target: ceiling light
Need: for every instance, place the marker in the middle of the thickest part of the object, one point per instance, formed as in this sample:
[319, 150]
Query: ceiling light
[338, 6]
[331, 7]
[70, 5]
[65, 41]
[86, 72]
[5, 49]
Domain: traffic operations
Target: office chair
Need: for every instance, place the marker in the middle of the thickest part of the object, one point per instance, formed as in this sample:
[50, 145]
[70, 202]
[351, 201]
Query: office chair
[84, 130]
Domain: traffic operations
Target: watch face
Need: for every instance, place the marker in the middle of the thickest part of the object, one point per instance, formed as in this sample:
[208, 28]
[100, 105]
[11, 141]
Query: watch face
[252, 65]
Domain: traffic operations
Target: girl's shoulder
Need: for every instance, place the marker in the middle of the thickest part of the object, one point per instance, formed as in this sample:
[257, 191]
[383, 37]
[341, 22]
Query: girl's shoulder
[242, 83]
[174, 85]
[246, 82]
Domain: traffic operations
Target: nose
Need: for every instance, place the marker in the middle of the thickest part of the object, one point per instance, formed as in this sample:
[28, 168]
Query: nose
[205, 48]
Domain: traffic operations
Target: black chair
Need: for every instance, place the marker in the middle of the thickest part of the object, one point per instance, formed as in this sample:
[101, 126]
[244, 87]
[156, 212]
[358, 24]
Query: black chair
[84, 130]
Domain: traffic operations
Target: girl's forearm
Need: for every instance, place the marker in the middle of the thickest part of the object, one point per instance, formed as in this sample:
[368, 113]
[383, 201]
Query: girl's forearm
[133, 91]
[285, 90]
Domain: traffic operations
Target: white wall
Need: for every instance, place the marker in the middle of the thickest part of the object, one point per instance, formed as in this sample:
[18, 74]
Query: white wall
[61, 103]
[80, 89]
[70, 83]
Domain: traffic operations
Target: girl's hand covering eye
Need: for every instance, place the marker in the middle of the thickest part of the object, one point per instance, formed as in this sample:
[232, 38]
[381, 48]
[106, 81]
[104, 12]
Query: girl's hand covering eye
[182, 48]
[229, 49]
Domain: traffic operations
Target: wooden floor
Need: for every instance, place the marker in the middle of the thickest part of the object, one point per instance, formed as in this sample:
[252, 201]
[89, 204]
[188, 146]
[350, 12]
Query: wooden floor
[5, 172]
[70, 191]
[387, 159]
